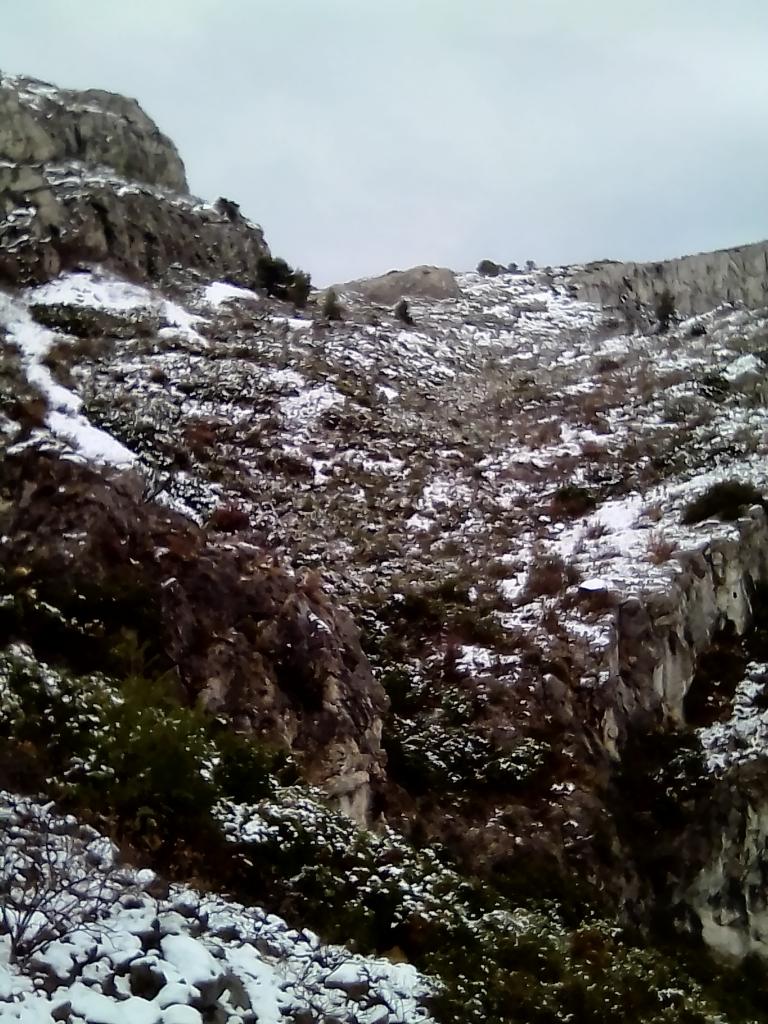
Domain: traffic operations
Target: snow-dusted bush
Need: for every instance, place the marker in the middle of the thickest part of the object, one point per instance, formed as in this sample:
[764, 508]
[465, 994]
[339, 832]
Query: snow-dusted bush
[48, 889]
[152, 766]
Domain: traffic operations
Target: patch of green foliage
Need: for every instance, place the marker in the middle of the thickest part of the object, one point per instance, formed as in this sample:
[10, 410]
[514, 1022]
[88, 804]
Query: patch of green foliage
[431, 736]
[150, 765]
[282, 281]
[445, 752]
[493, 959]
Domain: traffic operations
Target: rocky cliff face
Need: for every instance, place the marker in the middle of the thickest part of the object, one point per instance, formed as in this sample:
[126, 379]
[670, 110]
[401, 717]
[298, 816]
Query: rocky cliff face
[697, 283]
[662, 636]
[727, 895]
[40, 124]
[247, 640]
[88, 177]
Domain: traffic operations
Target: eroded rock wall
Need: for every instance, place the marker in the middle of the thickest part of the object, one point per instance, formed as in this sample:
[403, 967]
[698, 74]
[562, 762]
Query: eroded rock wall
[698, 283]
[728, 896]
[662, 639]
[661, 635]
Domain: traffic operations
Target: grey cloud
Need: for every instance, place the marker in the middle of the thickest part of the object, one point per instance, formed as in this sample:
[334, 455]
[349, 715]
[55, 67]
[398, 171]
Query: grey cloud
[367, 134]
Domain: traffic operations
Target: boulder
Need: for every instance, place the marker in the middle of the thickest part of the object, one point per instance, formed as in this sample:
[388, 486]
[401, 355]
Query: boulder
[417, 282]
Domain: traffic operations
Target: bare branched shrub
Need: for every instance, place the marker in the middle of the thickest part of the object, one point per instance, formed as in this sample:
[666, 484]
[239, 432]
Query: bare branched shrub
[660, 548]
[52, 881]
[547, 575]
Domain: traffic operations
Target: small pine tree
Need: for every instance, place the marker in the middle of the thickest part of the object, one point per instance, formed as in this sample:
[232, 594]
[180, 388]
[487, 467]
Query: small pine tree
[299, 289]
[488, 268]
[665, 310]
[331, 306]
[402, 312]
[274, 276]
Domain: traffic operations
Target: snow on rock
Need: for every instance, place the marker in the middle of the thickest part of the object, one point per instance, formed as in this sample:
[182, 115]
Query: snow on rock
[183, 1015]
[594, 585]
[303, 409]
[102, 970]
[96, 1008]
[743, 736]
[219, 292]
[193, 963]
[94, 291]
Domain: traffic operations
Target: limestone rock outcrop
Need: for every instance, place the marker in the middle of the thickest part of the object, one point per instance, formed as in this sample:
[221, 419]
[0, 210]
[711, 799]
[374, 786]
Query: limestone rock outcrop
[661, 636]
[40, 124]
[416, 282]
[727, 896]
[697, 283]
[88, 177]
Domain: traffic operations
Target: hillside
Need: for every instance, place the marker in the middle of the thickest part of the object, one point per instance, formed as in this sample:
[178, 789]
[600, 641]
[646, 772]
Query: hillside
[375, 660]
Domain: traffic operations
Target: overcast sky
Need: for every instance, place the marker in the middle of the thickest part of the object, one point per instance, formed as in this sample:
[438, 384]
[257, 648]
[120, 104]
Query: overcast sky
[371, 134]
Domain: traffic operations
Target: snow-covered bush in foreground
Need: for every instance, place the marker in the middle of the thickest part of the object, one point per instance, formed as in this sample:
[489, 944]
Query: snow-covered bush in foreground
[132, 951]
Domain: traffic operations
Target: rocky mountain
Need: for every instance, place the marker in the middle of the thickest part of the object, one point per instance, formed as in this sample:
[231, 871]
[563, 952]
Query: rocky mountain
[391, 653]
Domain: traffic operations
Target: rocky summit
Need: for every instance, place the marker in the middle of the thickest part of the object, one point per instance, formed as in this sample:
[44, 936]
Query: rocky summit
[391, 653]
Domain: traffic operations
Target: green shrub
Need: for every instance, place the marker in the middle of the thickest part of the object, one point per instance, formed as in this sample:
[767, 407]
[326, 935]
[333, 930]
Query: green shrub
[437, 754]
[149, 766]
[665, 309]
[331, 306]
[281, 281]
[402, 312]
[573, 500]
[489, 269]
[131, 750]
[299, 289]
[725, 500]
[245, 769]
